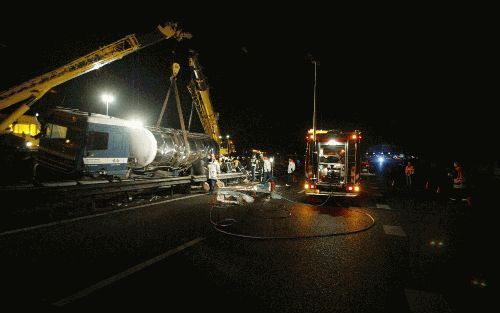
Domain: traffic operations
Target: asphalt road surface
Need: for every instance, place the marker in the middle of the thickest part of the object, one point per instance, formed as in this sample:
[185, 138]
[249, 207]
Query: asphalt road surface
[276, 254]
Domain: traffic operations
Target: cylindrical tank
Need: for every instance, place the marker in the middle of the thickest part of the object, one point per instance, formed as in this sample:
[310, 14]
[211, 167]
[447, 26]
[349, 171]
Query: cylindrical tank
[155, 148]
[142, 145]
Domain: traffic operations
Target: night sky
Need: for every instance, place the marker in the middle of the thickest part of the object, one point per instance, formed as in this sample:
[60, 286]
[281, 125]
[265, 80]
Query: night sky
[420, 79]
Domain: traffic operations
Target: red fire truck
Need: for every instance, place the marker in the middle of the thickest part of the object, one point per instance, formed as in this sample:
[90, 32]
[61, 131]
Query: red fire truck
[333, 163]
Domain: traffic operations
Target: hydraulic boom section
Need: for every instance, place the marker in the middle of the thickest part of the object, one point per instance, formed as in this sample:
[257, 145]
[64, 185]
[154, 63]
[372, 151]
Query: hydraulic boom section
[201, 97]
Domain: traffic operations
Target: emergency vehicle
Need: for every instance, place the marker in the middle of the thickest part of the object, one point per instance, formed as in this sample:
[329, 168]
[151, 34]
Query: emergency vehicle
[333, 163]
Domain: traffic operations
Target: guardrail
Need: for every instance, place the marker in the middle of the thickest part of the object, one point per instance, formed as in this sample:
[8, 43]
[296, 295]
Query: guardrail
[69, 190]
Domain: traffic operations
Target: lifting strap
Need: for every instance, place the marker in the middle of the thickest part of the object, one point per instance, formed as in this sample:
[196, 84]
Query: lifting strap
[175, 70]
[181, 117]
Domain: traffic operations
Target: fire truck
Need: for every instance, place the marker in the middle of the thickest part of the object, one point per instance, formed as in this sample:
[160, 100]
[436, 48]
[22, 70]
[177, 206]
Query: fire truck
[332, 163]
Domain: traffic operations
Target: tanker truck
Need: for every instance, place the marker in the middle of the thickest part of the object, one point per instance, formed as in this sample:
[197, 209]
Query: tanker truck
[86, 144]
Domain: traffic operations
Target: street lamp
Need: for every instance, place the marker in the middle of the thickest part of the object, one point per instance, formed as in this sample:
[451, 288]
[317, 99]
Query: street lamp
[107, 98]
[228, 151]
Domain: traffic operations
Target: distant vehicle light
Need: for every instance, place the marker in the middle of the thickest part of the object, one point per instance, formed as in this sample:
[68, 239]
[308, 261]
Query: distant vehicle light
[380, 159]
[356, 188]
[349, 188]
[29, 144]
[306, 186]
[354, 137]
[67, 141]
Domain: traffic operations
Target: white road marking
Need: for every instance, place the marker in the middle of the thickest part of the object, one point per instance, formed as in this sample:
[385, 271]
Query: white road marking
[19, 230]
[134, 269]
[301, 191]
[394, 230]
[422, 301]
[383, 206]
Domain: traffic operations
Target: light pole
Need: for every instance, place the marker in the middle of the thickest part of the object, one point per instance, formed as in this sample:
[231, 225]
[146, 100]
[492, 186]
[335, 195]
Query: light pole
[228, 152]
[315, 150]
[107, 98]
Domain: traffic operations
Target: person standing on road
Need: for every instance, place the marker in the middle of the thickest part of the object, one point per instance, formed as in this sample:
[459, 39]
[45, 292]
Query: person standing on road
[409, 172]
[213, 171]
[253, 166]
[458, 181]
[290, 172]
[266, 169]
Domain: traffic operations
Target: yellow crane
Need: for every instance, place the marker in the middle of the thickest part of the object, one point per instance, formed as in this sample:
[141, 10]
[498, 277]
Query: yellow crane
[27, 93]
[201, 98]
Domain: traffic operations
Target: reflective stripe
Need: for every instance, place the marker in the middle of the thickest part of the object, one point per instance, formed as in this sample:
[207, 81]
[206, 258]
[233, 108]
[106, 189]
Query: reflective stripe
[104, 160]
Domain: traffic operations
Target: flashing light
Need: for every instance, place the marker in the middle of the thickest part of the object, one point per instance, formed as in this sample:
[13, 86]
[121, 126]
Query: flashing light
[29, 144]
[318, 131]
[354, 137]
[356, 188]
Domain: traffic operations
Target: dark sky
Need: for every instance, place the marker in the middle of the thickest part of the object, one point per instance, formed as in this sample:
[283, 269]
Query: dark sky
[422, 79]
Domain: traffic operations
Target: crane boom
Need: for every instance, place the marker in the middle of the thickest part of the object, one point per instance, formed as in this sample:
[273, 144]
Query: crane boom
[201, 97]
[29, 92]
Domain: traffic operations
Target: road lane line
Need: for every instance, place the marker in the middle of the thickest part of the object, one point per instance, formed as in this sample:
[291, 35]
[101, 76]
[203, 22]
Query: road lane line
[394, 230]
[383, 206]
[422, 301]
[134, 269]
[301, 191]
[19, 230]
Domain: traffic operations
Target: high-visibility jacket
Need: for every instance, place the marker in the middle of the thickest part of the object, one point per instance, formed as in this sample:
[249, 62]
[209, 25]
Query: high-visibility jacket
[409, 170]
